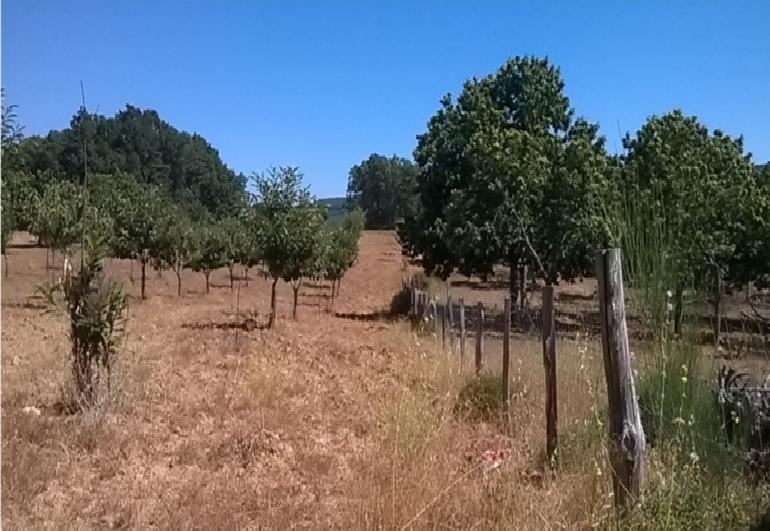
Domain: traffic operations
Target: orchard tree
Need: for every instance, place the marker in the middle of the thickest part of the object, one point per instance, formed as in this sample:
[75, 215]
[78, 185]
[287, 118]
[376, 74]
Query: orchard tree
[384, 188]
[237, 244]
[142, 216]
[341, 248]
[508, 175]
[703, 188]
[57, 222]
[287, 223]
[177, 245]
[209, 250]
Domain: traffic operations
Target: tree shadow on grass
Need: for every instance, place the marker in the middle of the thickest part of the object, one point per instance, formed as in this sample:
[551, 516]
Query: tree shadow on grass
[380, 315]
[246, 324]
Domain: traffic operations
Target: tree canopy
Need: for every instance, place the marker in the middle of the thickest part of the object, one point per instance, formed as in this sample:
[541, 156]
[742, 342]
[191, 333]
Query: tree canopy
[507, 174]
[140, 143]
[384, 188]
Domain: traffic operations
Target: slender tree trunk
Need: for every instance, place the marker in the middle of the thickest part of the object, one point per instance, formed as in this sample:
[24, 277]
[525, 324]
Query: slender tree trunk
[247, 276]
[230, 266]
[332, 297]
[296, 293]
[144, 276]
[272, 304]
[47, 261]
[522, 286]
[678, 308]
[717, 304]
[178, 272]
[5, 257]
[206, 273]
[131, 271]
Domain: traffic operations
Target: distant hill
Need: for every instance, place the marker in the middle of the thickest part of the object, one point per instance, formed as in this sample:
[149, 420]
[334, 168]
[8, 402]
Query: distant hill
[335, 206]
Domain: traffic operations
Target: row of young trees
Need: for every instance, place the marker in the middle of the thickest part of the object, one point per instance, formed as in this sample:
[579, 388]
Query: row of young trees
[509, 174]
[282, 230]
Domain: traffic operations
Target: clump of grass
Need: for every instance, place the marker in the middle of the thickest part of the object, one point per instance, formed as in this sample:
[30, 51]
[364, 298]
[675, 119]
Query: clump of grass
[480, 399]
[693, 481]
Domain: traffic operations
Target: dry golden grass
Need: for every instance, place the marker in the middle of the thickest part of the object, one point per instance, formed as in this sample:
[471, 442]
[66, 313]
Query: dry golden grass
[330, 422]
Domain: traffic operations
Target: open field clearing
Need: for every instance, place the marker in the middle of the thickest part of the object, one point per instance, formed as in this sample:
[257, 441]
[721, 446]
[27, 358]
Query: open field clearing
[327, 422]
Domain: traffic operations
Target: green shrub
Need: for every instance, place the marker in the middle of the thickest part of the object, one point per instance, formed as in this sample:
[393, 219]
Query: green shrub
[480, 399]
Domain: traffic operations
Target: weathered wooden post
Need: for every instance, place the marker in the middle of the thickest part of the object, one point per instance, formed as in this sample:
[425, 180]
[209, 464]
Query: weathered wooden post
[443, 325]
[462, 331]
[627, 441]
[549, 362]
[450, 320]
[479, 337]
[506, 354]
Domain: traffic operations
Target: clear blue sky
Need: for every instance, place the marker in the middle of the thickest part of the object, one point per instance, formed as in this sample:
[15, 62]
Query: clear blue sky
[322, 85]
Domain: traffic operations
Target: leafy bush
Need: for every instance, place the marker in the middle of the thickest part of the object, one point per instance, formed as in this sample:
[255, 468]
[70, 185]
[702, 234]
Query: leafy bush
[95, 306]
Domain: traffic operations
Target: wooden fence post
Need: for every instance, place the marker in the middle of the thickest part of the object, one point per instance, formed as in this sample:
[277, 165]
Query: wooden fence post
[443, 325]
[549, 362]
[479, 337]
[506, 354]
[450, 320]
[627, 441]
[462, 331]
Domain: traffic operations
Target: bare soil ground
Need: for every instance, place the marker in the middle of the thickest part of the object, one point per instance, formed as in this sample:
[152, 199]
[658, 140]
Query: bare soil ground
[339, 420]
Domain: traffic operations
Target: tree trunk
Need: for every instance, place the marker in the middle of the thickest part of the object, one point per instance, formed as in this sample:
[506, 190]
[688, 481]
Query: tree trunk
[522, 286]
[247, 276]
[144, 276]
[296, 292]
[230, 266]
[5, 257]
[513, 282]
[678, 308]
[272, 304]
[178, 282]
[131, 271]
[206, 273]
[717, 304]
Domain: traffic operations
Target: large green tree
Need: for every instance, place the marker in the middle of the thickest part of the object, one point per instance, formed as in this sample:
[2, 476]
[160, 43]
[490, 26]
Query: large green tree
[508, 175]
[703, 187]
[384, 188]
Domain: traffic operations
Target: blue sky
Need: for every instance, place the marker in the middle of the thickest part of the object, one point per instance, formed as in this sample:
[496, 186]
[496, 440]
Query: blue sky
[322, 85]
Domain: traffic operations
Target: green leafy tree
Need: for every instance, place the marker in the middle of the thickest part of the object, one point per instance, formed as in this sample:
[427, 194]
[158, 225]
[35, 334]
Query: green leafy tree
[57, 222]
[341, 248]
[287, 225]
[142, 215]
[508, 175]
[209, 250]
[177, 245]
[703, 186]
[384, 188]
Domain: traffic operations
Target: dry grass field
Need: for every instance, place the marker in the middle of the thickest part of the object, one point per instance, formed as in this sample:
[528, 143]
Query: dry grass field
[339, 420]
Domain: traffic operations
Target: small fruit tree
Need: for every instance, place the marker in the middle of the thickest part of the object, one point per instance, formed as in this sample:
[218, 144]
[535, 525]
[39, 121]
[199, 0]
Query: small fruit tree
[287, 225]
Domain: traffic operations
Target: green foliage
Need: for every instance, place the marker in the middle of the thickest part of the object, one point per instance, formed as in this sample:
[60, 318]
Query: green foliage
[480, 398]
[342, 245]
[209, 250]
[96, 308]
[508, 175]
[6, 228]
[700, 184]
[287, 225]
[58, 218]
[176, 244]
[141, 214]
[384, 188]
[140, 143]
